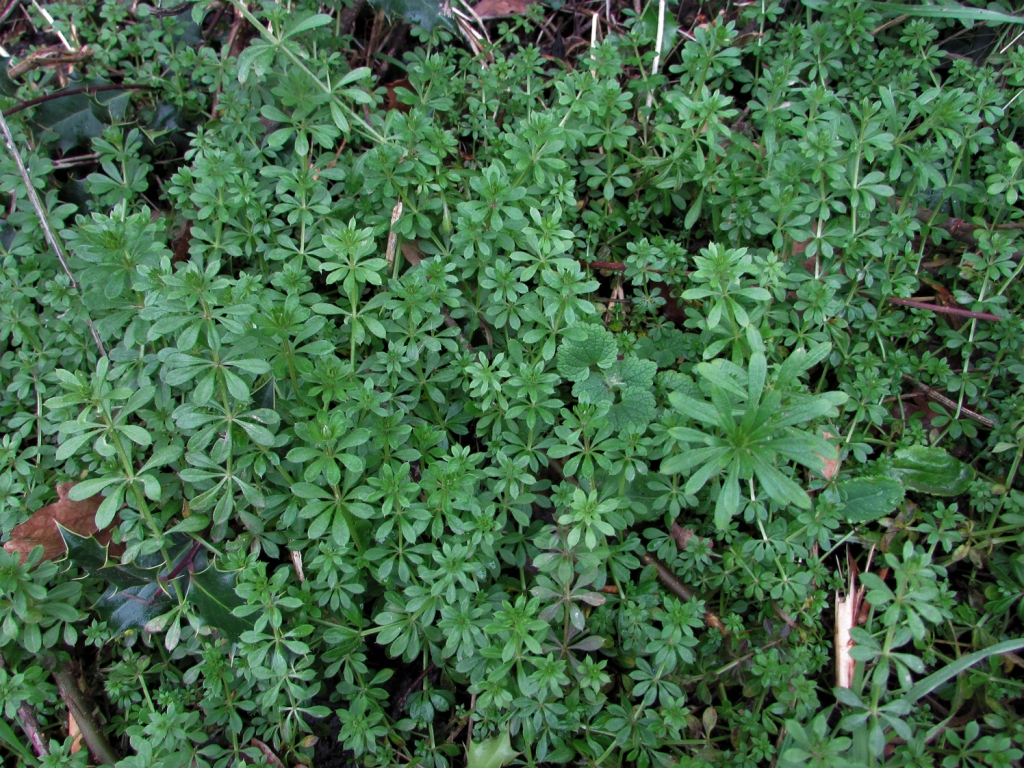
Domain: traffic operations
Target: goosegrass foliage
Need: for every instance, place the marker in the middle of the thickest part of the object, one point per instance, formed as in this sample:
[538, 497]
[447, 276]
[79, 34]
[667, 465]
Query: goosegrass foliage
[392, 497]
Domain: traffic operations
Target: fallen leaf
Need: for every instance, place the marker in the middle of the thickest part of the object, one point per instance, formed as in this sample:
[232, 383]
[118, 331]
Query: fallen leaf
[682, 536]
[412, 253]
[392, 96]
[496, 9]
[831, 468]
[41, 528]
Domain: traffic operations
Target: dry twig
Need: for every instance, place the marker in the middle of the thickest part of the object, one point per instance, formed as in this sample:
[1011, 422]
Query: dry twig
[51, 236]
[683, 592]
[67, 685]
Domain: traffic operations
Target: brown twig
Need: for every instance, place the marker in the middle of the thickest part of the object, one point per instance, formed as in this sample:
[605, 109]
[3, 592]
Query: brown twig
[941, 398]
[683, 592]
[7, 10]
[272, 759]
[47, 57]
[959, 229]
[67, 685]
[30, 725]
[72, 92]
[943, 310]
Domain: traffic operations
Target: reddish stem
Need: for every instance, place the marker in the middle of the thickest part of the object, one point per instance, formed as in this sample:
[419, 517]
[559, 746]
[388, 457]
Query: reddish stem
[944, 310]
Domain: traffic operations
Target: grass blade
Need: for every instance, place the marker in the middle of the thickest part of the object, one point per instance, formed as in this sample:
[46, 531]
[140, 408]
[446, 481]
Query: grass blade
[947, 673]
[955, 12]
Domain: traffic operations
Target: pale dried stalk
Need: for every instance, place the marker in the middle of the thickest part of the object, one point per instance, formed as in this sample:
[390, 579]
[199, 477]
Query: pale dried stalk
[657, 46]
[392, 246]
[846, 617]
[49, 20]
[51, 236]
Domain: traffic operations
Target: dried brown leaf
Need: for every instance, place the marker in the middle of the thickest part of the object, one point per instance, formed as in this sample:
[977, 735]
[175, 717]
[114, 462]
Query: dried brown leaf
[41, 528]
[496, 9]
[682, 536]
[831, 468]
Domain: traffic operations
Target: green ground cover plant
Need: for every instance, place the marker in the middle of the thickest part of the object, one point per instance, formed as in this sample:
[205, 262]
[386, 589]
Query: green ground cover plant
[511, 400]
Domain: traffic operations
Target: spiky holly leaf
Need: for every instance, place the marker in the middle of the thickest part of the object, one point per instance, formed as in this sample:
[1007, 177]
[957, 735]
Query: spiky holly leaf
[427, 13]
[93, 557]
[212, 591]
[131, 609]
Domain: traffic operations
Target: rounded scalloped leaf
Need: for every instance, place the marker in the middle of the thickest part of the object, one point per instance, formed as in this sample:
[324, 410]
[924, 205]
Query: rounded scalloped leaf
[867, 499]
[636, 410]
[575, 358]
[931, 470]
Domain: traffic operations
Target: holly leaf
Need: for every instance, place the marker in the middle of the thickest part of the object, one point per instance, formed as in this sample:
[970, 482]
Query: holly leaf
[79, 118]
[93, 557]
[131, 609]
[212, 591]
[43, 527]
[427, 13]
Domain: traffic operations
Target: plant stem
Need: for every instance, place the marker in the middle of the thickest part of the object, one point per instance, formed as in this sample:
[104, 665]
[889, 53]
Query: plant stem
[92, 733]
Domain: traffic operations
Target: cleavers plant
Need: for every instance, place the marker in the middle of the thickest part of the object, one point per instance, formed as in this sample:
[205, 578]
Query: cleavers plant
[526, 410]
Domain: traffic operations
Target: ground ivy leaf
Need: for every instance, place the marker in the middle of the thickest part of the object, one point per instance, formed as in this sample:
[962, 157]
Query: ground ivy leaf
[869, 498]
[575, 358]
[932, 470]
[491, 753]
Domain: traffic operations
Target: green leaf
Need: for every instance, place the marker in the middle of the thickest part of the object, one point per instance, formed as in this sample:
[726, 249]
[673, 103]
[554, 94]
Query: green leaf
[10, 738]
[636, 410]
[867, 499]
[576, 358]
[79, 118]
[7, 86]
[311, 22]
[592, 390]
[631, 371]
[932, 470]
[132, 609]
[948, 672]
[213, 593]
[698, 410]
[728, 500]
[491, 753]
[87, 553]
[716, 375]
[952, 11]
[426, 13]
